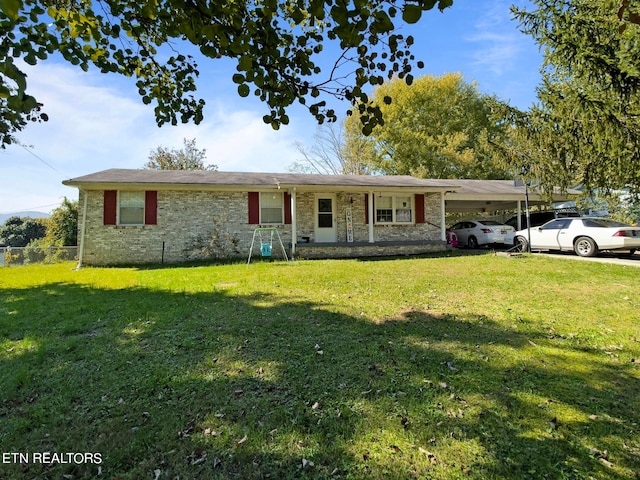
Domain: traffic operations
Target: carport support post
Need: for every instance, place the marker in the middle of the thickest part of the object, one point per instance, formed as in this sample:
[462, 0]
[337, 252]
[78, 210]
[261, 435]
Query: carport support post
[370, 207]
[526, 206]
[443, 214]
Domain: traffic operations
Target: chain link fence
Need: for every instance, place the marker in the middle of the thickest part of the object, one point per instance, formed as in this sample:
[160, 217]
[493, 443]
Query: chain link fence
[27, 255]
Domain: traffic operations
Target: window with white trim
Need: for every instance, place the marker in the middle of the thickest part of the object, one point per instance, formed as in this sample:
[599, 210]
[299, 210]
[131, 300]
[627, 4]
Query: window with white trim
[130, 207]
[271, 208]
[392, 209]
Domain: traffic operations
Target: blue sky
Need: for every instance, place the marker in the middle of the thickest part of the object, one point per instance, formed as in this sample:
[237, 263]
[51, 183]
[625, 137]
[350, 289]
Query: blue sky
[98, 121]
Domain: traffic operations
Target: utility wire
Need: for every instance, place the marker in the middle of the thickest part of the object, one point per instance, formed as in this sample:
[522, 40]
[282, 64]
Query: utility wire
[43, 161]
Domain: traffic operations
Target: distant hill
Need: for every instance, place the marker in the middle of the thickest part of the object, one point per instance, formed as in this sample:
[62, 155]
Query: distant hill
[6, 216]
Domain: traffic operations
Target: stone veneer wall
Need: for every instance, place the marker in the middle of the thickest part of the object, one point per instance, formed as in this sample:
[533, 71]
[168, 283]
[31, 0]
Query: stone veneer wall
[188, 221]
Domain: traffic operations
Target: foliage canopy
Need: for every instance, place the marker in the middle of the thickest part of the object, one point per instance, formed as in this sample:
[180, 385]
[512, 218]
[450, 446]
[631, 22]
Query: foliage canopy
[437, 127]
[18, 232]
[187, 158]
[276, 45]
[586, 127]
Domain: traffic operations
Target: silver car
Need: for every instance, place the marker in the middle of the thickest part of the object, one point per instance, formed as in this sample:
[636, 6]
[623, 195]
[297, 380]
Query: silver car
[474, 233]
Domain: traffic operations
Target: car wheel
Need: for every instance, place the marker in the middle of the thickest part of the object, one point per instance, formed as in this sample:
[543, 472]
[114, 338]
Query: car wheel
[585, 247]
[472, 242]
[521, 244]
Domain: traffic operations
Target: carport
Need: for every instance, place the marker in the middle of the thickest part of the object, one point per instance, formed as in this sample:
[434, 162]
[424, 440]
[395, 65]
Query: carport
[498, 195]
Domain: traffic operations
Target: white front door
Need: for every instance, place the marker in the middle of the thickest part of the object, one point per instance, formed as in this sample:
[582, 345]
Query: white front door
[325, 224]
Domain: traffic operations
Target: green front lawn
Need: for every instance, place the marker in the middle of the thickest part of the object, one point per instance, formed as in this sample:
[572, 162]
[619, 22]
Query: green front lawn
[441, 368]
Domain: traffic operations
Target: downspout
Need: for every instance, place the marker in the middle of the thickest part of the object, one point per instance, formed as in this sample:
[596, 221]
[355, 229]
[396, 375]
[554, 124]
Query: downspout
[443, 215]
[370, 207]
[82, 231]
[294, 224]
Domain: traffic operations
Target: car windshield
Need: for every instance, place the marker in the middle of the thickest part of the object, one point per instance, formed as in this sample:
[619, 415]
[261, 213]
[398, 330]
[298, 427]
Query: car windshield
[603, 223]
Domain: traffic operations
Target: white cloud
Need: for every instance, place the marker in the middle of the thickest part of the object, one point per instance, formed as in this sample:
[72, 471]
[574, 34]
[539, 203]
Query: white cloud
[98, 122]
[498, 44]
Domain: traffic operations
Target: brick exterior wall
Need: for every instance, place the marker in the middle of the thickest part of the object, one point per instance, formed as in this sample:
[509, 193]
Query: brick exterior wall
[203, 224]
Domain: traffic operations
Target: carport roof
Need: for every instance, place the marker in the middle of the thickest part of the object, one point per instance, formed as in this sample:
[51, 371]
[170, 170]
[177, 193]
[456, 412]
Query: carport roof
[495, 195]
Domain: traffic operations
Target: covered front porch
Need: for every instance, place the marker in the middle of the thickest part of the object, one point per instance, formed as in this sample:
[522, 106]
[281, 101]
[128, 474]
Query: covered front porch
[356, 222]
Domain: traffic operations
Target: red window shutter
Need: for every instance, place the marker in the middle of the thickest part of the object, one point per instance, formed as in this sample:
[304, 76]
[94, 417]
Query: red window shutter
[419, 208]
[254, 208]
[110, 207]
[151, 207]
[366, 209]
[287, 209]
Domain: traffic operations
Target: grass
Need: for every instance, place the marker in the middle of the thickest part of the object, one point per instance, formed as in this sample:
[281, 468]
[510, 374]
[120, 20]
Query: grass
[441, 368]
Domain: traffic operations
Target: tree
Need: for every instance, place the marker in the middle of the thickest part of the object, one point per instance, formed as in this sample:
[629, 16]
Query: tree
[18, 232]
[62, 226]
[586, 127]
[333, 153]
[277, 46]
[438, 127]
[187, 158]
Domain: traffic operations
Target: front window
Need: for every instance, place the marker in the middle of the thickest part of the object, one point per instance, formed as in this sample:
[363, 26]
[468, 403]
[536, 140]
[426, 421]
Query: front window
[131, 208]
[271, 208]
[394, 209]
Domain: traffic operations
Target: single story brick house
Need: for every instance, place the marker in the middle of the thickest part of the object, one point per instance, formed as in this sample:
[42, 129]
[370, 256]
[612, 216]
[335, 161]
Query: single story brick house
[150, 216]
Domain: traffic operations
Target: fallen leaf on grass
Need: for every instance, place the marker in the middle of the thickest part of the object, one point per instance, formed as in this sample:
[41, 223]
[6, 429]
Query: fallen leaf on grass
[430, 456]
[307, 463]
[242, 440]
[198, 456]
[187, 430]
[635, 361]
[156, 474]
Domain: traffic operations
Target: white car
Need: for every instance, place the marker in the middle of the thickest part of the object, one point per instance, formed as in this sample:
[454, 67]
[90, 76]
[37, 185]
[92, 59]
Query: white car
[585, 235]
[483, 232]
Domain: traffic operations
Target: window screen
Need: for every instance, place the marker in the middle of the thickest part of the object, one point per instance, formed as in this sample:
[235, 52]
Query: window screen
[131, 208]
[271, 208]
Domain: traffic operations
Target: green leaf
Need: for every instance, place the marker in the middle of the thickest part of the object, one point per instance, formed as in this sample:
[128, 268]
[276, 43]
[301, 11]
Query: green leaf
[243, 90]
[11, 8]
[238, 78]
[411, 13]
[245, 63]
[442, 4]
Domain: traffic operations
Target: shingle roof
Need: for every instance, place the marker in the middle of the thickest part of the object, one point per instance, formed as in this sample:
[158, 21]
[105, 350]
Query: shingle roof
[239, 179]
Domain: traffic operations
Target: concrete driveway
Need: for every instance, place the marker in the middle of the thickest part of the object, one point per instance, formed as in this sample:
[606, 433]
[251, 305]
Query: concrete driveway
[631, 261]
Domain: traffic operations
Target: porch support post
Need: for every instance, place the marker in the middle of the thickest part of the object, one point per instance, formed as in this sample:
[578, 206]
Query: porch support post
[370, 207]
[443, 218]
[519, 215]
[294, 223]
